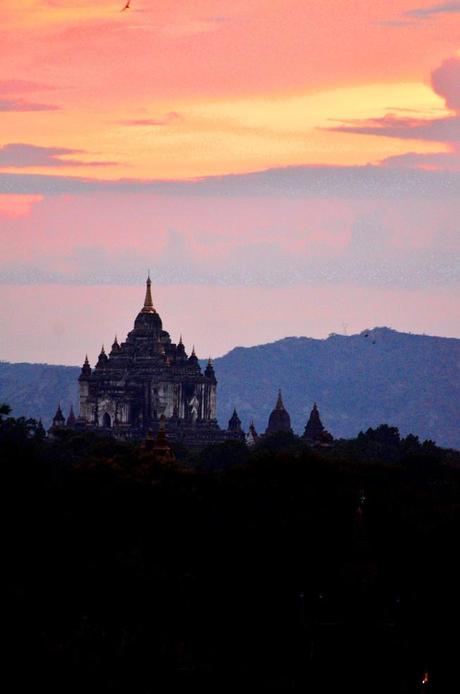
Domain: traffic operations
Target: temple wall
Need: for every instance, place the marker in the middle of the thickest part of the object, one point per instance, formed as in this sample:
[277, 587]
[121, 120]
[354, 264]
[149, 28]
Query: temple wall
[87, 412]
[163, 398]
[84, 389]
[106, 408]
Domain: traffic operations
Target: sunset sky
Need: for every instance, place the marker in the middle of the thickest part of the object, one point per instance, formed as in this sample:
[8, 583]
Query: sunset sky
[283, 167]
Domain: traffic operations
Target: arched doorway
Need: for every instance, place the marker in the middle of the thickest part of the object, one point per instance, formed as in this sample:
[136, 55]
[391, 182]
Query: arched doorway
[106, 421]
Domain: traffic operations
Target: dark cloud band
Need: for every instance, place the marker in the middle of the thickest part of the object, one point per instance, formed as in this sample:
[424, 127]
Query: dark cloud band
[303, 182]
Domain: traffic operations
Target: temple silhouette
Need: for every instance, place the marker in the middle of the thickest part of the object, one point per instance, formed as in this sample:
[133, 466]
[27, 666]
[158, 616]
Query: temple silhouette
[148, 384]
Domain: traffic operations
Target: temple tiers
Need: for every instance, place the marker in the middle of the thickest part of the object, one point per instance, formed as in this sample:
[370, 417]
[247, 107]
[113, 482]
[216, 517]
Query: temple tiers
[147, 377]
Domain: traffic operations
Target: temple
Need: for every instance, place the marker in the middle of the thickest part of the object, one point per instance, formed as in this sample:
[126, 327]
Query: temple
[148, 378]
[149, 389]
[315, 434]
[279, 419]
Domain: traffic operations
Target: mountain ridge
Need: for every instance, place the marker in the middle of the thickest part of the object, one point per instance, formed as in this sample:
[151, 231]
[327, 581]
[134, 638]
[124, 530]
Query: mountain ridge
[376, 376]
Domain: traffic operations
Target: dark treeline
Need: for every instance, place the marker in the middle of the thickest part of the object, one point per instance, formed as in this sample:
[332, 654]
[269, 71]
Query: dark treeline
[279, 568]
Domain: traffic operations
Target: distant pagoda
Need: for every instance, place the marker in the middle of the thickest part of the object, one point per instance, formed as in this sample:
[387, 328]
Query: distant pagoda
[279, 419]
[315, 433]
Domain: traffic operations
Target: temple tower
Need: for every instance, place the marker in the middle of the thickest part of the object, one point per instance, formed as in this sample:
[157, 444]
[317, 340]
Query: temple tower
[145, 378]
[279, 419]
[315, 433]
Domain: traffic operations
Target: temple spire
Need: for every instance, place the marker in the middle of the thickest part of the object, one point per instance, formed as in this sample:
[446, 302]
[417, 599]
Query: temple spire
[58, 419]
[234, 423]
[148, 303]
[85, 372]
[103, 358]
[279, 402]
[315, 433]
[71, 419]
[193, 359]
[279, 419]
[209, 371]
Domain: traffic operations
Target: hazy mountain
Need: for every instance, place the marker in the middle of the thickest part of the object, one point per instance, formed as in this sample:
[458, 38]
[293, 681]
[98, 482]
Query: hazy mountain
[34, 390]
[379, 376]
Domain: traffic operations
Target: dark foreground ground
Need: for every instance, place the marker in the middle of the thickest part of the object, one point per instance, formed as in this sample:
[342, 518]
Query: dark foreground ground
[282, 569]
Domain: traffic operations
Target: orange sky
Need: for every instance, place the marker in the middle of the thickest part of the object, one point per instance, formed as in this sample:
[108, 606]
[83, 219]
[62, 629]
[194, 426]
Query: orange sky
[173, 89]
[347, 112]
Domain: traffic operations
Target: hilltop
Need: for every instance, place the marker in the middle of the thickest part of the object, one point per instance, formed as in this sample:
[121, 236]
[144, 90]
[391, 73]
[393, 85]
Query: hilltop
[359, 381]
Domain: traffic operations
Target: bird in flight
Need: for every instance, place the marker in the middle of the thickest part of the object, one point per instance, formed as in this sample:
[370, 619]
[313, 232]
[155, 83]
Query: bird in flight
[126, 7]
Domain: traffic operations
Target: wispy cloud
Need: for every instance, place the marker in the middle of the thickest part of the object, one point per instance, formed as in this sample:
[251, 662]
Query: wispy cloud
[433, 10]
[411, 17]
[19, 105]
[167, 119]
[20, 155]
[445, 81]
[434, 130]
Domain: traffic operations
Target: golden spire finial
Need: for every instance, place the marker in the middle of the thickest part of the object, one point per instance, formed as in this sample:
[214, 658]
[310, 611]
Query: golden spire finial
[148, 303]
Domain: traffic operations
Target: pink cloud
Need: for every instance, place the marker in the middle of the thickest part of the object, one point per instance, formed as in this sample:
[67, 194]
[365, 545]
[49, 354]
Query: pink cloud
[233, 241]
[446, 82]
